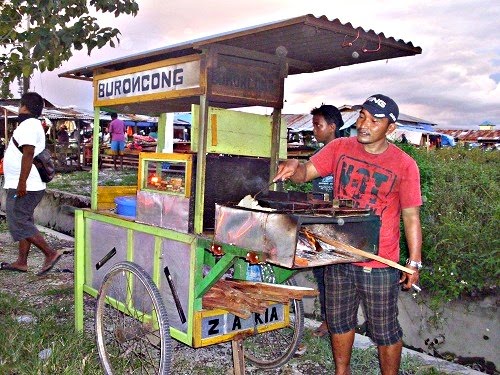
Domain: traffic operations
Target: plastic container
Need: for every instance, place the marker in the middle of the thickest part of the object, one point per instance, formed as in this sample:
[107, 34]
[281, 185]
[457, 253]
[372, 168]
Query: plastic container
[126, 206]
[254, 272]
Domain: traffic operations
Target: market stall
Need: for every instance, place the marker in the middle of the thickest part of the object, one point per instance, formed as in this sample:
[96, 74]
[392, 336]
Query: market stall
[174, 266]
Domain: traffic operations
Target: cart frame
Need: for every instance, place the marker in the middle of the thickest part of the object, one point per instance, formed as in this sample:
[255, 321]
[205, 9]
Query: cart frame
[242, 68]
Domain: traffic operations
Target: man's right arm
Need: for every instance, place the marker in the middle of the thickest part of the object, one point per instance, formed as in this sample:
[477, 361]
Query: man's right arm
[296, 171]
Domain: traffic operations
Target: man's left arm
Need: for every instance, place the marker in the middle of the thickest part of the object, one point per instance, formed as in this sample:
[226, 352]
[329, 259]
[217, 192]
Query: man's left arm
[26, 164]
[413, 233]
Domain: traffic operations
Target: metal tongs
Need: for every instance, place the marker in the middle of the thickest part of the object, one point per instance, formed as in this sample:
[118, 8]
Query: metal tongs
[265, 188]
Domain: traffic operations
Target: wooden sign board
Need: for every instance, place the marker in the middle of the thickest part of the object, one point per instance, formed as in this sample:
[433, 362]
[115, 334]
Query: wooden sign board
[243, 81]
[162, 80]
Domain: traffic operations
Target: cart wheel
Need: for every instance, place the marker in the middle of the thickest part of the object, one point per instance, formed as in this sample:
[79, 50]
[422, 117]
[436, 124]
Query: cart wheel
[131, 323]
[273, 349]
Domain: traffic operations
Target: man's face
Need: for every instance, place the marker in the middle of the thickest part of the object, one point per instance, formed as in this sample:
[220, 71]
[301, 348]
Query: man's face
[323, 132]
[372, 129]
[23, 109]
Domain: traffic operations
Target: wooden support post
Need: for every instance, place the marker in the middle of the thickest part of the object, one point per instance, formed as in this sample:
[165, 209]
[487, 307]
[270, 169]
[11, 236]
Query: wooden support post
[238, 357]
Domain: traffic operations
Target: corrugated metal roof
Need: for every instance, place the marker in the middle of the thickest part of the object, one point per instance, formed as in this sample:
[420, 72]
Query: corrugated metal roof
[51, 113]
[298, 123]
[472, 135]
[412, 119]
[310, 43]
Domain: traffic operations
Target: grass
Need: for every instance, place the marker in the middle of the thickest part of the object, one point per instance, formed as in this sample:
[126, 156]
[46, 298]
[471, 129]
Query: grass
[72, 353]
[79, 182]
[22, 343]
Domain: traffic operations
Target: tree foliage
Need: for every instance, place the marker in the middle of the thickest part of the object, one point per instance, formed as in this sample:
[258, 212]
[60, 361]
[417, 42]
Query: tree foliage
[460, 219]
[41, 34]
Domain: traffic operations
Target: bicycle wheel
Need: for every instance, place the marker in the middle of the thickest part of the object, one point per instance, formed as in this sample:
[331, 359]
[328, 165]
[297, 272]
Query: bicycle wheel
[131, 323]
[273, 349]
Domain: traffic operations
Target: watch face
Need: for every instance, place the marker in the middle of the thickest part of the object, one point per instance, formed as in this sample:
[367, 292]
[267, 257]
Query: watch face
[412, 263]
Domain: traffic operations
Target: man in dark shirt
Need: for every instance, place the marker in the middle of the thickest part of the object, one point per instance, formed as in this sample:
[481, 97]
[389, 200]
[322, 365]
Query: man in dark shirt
[327, 121]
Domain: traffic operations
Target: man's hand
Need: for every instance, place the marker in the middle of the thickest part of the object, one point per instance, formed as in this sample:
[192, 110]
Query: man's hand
[413, 232]
[286, 170]
[408, 280]
[21, 189]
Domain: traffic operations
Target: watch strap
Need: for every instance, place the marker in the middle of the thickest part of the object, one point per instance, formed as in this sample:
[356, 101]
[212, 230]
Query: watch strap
[415, 264]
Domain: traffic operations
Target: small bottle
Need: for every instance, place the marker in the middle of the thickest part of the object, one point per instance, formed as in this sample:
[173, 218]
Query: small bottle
[254, 272]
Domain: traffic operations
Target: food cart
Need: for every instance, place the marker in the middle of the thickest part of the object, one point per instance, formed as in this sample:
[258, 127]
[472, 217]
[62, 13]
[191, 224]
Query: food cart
[156, 273]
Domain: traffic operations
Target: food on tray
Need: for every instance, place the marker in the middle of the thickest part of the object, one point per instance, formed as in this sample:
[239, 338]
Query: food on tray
[250, 202]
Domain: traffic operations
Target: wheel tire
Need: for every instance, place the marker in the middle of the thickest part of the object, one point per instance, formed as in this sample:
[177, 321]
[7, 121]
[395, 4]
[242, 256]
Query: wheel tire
[127, 341]
[273, 349]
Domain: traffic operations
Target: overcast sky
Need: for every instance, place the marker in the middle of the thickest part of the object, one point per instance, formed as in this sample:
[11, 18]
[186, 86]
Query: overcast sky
[455, 81]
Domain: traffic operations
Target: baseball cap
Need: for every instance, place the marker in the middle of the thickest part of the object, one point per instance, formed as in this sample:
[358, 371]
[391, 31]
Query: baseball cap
[381, 106]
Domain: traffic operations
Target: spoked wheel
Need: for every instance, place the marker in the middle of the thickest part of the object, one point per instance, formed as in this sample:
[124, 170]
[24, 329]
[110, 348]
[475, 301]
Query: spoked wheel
[131, 323]
[273, 349]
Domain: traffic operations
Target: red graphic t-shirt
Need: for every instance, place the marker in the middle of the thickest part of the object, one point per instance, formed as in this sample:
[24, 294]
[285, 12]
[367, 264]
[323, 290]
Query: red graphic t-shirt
[386, 183]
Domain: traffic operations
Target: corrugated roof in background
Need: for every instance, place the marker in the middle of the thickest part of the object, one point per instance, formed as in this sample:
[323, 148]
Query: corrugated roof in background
[472, 135]
[51, 113]
[298, 123]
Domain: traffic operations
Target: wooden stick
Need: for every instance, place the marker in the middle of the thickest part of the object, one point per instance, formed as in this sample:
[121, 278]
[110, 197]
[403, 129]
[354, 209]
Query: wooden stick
[351, 249]
[268, 289]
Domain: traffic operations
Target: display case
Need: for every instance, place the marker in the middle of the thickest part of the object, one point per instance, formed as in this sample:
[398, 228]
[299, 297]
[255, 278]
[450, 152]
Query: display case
[165, 173]
[165, 194]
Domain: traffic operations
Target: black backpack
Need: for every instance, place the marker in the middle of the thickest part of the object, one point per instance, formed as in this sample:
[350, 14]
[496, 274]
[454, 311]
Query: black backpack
[43, 163]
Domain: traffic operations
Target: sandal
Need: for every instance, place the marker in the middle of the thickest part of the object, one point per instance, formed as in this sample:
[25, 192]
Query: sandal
[321, 331]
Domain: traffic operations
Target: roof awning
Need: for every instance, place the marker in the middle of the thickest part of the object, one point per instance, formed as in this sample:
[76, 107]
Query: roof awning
[308, 43]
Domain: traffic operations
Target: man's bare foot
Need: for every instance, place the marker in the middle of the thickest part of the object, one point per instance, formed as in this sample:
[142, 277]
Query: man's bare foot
[13, 267]
[50, 262]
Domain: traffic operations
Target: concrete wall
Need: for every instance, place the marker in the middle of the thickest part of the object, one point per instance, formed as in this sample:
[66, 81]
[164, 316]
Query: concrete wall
[56, 209]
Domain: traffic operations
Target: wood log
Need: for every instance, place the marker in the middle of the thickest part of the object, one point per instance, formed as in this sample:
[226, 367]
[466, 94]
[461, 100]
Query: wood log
[242, 298]
[268, 289]
[217, 303]
[226, 292]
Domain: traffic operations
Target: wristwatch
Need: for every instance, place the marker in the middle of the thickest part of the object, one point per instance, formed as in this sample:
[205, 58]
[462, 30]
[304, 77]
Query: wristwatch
[412, 263]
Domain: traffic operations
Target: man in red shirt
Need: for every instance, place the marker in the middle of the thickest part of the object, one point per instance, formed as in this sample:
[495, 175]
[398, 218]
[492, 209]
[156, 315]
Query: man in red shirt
[374, 174]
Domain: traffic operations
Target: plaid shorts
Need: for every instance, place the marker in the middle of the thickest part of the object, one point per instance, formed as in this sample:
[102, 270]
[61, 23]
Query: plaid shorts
[20, 212]
[377, 289]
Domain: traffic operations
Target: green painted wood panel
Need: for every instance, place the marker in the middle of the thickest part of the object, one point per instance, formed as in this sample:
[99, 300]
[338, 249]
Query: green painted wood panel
[237, 133]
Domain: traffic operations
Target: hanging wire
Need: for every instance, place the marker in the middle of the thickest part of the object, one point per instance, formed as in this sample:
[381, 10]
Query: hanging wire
[349, 44]
[366, 50]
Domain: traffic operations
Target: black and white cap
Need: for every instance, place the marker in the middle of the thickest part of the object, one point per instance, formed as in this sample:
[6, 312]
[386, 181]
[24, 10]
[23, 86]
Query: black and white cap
[381, 106]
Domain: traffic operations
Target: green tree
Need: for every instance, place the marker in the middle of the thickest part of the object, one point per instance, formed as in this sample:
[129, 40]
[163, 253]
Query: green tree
[41, 34]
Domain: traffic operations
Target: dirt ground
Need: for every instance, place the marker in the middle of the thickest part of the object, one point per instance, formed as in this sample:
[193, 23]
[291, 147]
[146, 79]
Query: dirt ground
[29, 284]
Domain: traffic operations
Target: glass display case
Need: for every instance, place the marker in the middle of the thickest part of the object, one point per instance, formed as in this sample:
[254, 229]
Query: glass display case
[165, 173]
[165, 190]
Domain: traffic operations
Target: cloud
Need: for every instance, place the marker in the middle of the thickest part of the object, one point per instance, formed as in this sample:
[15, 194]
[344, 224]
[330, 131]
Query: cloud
[455, 81]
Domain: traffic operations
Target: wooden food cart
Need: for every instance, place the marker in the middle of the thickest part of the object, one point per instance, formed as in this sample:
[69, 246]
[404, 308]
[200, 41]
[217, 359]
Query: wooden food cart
[155, 272]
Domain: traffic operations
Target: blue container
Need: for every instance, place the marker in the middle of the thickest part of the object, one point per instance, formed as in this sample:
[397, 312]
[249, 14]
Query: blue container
[126, 205]
[254, 272]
